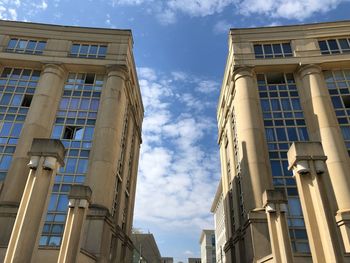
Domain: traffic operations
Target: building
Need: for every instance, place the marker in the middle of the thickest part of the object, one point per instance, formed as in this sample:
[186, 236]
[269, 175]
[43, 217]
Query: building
[207, 242]
[147, 247]
[218, 210]
[194, 260]
[286, 89]
[77, 85]
[167, 260]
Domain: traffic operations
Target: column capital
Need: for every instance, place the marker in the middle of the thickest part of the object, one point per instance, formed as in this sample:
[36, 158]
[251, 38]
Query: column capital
[48, 148]
[275, 200]
[80, 192]
[240, 72]
[55, 68]
[308, 69]
[300, 153]
[117, 70]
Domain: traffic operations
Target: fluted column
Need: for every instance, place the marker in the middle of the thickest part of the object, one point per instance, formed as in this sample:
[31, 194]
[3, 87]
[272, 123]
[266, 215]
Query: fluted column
[307, 160]
[250, 133]
[319, 103]
[38, 124]
[46, 155]
[79, 199]
[275, 203]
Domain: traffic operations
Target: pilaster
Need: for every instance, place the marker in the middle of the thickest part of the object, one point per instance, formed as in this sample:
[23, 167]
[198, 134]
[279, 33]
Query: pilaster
[46, 155]
[307, 160]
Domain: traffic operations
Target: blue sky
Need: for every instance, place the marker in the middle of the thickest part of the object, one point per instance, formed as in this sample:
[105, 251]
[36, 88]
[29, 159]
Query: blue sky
[180, 51]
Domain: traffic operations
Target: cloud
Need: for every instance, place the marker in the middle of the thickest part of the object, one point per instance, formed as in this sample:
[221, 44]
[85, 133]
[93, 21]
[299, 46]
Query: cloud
[8, 9]
[178, 174]
[221, 27]
[166, 11]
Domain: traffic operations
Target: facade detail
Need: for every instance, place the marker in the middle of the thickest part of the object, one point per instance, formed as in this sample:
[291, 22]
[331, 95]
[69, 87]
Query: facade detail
[218, 210]
[207, 242]
[77, 86]
[285, 91]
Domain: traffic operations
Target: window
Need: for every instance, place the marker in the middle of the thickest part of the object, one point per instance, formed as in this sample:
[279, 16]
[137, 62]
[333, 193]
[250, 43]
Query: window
[88, 50]
[334, 46]
[73, 133]
[28, 46]
[276, 50]
[27, 100]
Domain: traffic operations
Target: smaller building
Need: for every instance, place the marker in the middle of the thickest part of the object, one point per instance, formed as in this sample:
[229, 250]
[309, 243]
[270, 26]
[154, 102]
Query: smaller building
[194, 260]
[207, 242]
[146, 248]
[217, 209]
[167, 260]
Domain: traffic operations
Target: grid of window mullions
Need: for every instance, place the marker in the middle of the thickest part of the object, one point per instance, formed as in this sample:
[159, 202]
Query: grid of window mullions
[88, 50]
[284, 123]
[78, 149]
[14, 84]
[30, 46]
[338, 83]
[334, 46]
[274, 50]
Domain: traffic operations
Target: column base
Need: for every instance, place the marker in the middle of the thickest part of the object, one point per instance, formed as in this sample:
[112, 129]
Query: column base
[8, 213]
[343, 222]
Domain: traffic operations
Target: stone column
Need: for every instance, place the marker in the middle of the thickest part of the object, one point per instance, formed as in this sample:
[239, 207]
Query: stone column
[254, 163]
[319, 103]
[275, 202]
[46, 155]
[38, 124]
[307, 161]
[103, 162]
[250, 133]
[79, 199]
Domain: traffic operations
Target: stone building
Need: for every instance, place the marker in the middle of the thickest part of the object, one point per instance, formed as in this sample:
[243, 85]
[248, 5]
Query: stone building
[77, 85]
[286, 89]
[207, 243]
[217, 208]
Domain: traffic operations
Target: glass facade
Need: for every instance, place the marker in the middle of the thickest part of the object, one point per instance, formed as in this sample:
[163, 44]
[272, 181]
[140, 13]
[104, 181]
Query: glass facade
[17, 87]
[28, 46]
[338, 84]
[74, 125]
[284, 123]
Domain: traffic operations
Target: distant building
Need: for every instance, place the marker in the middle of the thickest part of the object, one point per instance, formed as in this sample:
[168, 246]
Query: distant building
[217, 209]
[146, 248]
[207, 243]
[167, 260]
[194, 260]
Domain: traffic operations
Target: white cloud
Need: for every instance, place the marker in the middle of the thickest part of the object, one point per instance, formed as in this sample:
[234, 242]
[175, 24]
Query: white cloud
[207, 86]
[222, 26]
[176, 176]
[166, 11]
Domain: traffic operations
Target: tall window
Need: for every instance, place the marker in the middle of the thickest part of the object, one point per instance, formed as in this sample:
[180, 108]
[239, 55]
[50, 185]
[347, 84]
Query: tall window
[284, 123]
[75, 122]
[338, 83]
[88, 50]
[276, 50]
[16, 85]
[334, 46]
[28, 46]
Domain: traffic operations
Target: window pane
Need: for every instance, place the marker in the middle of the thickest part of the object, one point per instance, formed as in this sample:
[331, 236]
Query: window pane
[346, 132]
[267, 50]
[31, 45]
[41, 45]
[89, 132]
[12, 43]
[5, 162]
[56, 132]
[70, 165]
[277, 49]
[270, 136]
[82, 166]
[333, 45]
[294, 206]
[16, 100]
[281, 134]
[258, 51]
[22, 44]
[276, 168]
[6, 127]
[5, 100]
[102, 51]
[62, 204]
[78, 133]
[93, 50]
[52, 203]
[84, 49]
[16, 130]
[344, 44]
[64, 104]
[75, 49]
[287, 48]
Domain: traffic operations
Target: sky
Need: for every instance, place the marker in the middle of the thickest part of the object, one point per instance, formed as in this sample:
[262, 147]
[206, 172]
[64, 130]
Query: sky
[180, 49]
